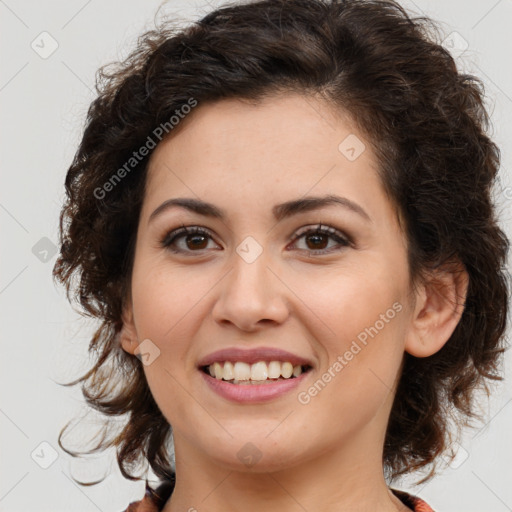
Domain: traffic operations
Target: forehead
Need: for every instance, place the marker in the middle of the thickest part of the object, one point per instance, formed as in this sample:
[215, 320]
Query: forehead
[242, 155]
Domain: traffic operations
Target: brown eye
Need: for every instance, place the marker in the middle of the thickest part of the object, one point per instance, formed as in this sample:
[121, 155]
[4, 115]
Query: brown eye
[195, 239]
[317, 239]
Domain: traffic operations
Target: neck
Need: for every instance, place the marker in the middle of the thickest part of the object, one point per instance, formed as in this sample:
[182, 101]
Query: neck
[349, 478]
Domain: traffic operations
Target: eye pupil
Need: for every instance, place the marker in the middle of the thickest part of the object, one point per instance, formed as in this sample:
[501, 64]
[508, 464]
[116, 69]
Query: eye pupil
[195, 237]
[317, 236]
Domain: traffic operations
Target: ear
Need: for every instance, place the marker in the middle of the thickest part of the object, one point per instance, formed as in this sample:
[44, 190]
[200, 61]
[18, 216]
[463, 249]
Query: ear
[439, 306]
[128, 334]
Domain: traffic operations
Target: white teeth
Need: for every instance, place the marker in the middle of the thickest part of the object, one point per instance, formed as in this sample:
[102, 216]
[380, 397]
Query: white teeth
[287, 370]
[274, 369]
[228, 371]
[217, 368]
[243, 373]
[259, 371]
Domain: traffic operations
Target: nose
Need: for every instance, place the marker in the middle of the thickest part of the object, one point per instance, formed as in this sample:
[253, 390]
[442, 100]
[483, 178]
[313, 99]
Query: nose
[251, 295]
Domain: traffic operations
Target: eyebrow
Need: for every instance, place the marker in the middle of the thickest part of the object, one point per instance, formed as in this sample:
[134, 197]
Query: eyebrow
[279, 211]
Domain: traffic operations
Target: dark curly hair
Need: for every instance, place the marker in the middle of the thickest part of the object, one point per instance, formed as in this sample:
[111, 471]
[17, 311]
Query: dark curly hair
[426, 122]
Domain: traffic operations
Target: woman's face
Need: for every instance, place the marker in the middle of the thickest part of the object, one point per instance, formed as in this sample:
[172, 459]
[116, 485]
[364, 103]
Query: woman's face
[264, 279]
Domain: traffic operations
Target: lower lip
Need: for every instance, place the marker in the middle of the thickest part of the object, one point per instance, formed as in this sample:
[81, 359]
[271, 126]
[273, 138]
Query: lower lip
[243, 393]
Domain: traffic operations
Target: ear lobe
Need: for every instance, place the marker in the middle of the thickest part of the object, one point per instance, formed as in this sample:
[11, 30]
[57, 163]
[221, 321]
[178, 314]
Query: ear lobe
[439, 307]
[128, 334]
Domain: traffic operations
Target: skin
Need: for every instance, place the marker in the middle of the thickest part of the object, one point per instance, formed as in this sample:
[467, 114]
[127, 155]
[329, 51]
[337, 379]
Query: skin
[245, 158]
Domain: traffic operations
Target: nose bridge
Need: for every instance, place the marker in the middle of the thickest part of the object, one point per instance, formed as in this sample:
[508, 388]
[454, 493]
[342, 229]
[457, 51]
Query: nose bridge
[250, 270]
[251, 292]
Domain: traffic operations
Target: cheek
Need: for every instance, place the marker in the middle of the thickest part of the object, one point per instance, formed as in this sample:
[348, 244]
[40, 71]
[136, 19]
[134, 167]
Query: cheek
[168, 305]
[163, 298]
[349, 302]
[359, 324]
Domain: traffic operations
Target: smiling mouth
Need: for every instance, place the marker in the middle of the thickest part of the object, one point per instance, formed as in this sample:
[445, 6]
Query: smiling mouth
[262, 372]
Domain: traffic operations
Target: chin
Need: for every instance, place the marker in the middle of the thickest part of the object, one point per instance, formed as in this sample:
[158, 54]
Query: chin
[255, 452]
[251, 459]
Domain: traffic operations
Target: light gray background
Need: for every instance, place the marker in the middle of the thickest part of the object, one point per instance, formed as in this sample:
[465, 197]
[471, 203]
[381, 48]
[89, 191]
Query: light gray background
[43, 106]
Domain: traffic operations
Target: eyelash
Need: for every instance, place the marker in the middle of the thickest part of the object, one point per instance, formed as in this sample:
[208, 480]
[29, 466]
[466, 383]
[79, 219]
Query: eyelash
[170, 238]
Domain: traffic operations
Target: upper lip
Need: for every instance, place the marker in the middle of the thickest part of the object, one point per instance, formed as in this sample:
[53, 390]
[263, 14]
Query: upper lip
[254, 355]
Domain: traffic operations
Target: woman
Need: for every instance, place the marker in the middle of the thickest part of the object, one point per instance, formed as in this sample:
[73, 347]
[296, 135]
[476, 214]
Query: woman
[282, 217]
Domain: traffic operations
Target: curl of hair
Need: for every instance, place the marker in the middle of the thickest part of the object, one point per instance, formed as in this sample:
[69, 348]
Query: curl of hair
[427, 124]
